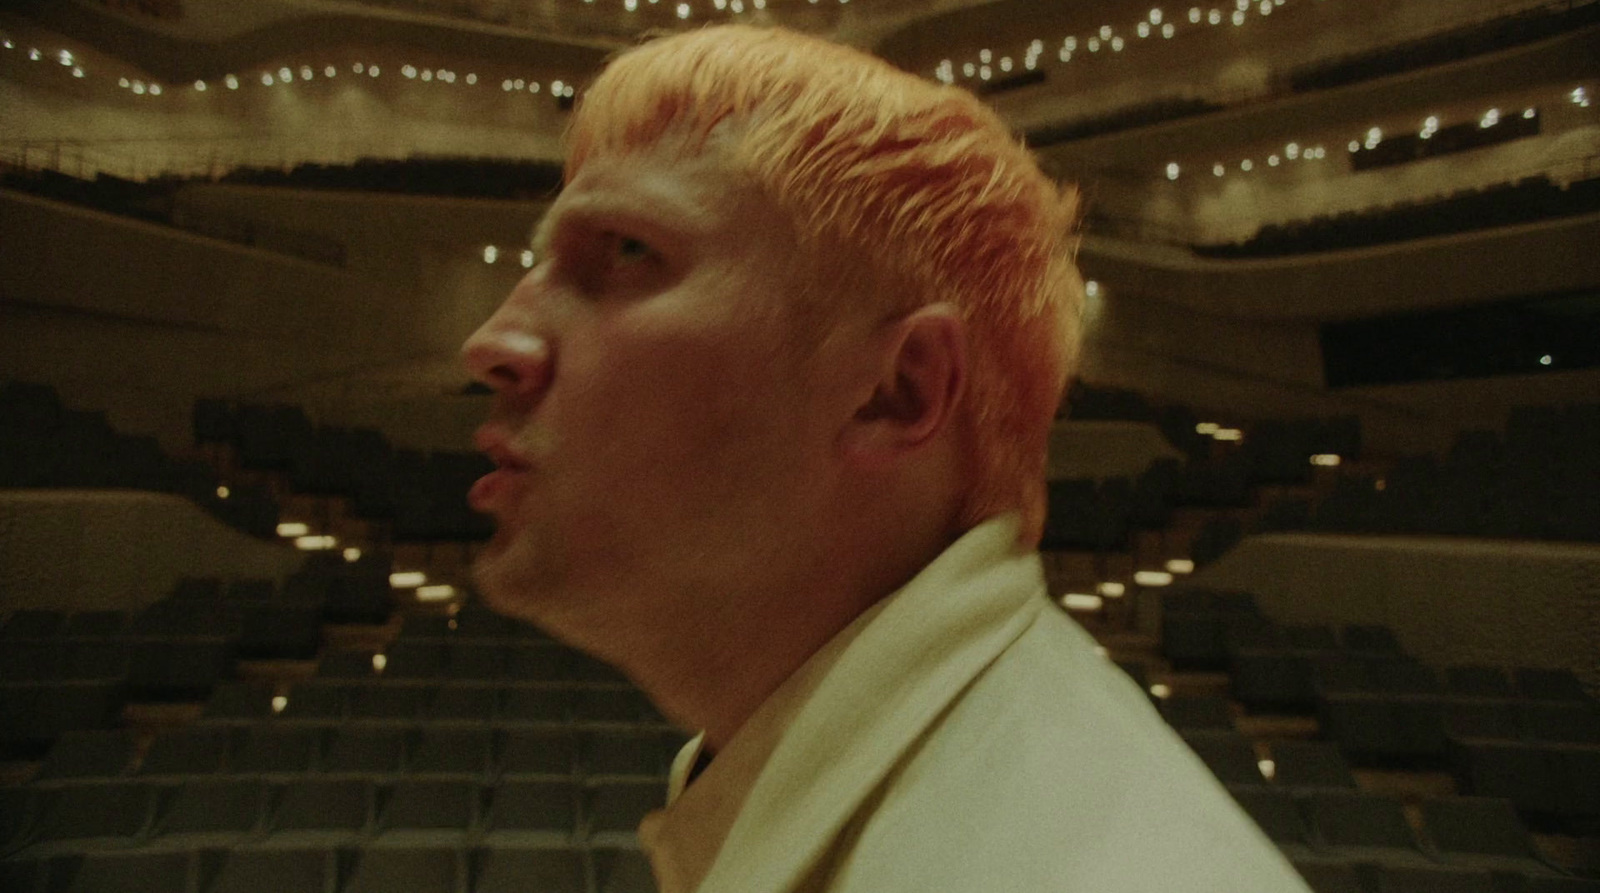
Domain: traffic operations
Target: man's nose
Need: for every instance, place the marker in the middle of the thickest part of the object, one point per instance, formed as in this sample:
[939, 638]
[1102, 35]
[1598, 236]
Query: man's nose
[507, 356]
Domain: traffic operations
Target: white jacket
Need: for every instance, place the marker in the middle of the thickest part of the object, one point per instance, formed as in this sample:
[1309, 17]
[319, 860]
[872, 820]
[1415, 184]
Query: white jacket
[963, 736]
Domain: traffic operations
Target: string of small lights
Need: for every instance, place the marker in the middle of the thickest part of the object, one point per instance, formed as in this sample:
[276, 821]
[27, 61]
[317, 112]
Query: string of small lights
[286, 74]
[1370, 141]
[989, 65]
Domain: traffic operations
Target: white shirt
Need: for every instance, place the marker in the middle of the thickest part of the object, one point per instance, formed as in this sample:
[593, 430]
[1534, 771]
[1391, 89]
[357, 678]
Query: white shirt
[963, 735]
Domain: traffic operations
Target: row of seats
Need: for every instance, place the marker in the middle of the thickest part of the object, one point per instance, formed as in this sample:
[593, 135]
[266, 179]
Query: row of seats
[1536, 481]
[462, 177]
[45, 445]
[1353, 842]
[1528, 735]
[1522, 26]
[154, 201]
[499, 868]
[505, 703]
[1526, 201]
[341, 811]
[422, 495]
[276, 750]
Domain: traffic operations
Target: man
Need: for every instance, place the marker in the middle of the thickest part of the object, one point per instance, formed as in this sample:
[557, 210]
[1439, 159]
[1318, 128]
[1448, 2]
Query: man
[769, 430]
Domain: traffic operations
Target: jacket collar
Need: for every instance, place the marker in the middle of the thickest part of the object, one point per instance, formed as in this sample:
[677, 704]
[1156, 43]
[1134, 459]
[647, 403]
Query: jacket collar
[932, 637]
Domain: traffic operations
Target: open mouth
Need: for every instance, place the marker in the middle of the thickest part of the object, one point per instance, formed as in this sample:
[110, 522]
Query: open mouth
[494, 489]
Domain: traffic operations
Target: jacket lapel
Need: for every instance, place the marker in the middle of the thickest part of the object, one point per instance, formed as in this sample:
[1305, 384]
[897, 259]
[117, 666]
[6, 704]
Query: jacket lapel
[931, 639]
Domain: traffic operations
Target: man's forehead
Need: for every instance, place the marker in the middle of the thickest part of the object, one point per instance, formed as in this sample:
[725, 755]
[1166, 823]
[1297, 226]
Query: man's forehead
[699, 194]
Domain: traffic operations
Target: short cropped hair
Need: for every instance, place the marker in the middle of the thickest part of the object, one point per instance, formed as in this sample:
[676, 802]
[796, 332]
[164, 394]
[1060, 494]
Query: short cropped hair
[920, 181]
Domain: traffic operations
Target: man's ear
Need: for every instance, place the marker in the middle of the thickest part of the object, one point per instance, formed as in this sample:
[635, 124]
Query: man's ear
[922, 375]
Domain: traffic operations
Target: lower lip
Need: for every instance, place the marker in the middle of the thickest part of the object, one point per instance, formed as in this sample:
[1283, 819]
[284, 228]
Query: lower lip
[492, 488]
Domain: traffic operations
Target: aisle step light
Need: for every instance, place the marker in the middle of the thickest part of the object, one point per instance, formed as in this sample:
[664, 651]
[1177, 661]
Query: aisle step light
[1078, 601]
[1180, 566]
[1152, 578]
[287, 529]
[439, 592]
[407, 579]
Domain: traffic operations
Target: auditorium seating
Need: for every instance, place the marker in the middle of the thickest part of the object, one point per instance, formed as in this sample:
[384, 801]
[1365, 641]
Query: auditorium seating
[1524, 201]
[1536, 481]
[46, 445]
[465, 751]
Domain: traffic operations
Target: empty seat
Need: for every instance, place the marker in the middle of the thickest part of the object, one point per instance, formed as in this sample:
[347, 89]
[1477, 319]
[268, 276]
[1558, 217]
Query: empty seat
[1385, 730]
[523, 704]
[1482, 718]
[1371, 638]
[33, 623]
[33, 716]
[1480, 831]
[84, 812]
[537, 662]
[90, 661]
[1310, 764]
[548, 806]
[619, 806]
[452, 751]
[271, 749]
[239, 701]
[272, 871]
[346, 665]
[1431, 879]
[535, 751]
[1229, 756]
[387, 701]
[612, 705]
[476, 661]
[150, 872]
[88, 754]
[456, 703]
[1576, 722]
[623, 871]
[319, 700]
[1477, 681]
[407, 659]
[1530, 775]
[279, 631]
[428, 626]
[318, 805]
[1194, 712]
[190, 751]
[212, 807]
[429, 804]
[1274, 681]
[178, 670]
[392, 869]
[1549, 685]
[17, 813]
[518, 870]
[22, 875]
[1367, 825]
[366, 751]
[647, 752]
[1275, 812]
[95, 624]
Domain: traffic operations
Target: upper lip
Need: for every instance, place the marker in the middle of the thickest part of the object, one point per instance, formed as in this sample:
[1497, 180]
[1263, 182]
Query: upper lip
[494, 442]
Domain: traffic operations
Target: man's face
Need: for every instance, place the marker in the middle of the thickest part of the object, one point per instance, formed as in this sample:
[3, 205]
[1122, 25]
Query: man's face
[657, 430]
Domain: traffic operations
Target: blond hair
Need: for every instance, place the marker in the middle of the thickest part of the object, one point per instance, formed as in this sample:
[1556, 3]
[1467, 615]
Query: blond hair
[921, 181]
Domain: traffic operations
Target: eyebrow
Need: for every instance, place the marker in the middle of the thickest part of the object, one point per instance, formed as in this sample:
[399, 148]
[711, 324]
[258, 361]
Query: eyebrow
[688, 221]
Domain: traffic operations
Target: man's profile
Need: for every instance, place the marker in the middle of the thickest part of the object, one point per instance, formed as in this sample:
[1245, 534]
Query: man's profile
[769, 427]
